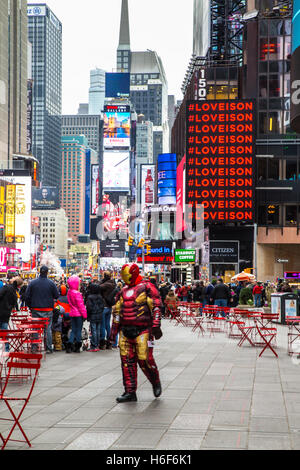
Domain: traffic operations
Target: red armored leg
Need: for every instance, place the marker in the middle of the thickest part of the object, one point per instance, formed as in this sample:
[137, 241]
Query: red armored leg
[129, 364]
[145, 358]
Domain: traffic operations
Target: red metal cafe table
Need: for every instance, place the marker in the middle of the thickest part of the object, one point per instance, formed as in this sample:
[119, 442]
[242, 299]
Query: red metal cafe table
[293, 335]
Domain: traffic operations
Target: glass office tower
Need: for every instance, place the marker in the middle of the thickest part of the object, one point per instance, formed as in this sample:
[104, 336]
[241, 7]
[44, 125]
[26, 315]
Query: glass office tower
[45, 35]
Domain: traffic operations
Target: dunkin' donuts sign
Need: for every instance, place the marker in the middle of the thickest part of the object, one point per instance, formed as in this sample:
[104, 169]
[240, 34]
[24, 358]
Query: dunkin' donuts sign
[220, 160]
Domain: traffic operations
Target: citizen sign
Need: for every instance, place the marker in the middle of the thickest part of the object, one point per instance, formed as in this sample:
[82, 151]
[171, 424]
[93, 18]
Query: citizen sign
[224, 252]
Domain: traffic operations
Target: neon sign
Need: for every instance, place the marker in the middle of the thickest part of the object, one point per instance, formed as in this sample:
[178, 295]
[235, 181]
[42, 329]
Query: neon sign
[221, 159]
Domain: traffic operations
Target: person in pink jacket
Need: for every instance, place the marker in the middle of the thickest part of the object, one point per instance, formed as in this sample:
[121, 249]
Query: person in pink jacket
[77, 314]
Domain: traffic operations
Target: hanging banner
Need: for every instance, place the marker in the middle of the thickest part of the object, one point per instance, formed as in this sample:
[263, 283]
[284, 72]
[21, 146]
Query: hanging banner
[2, 206]
[20, 213]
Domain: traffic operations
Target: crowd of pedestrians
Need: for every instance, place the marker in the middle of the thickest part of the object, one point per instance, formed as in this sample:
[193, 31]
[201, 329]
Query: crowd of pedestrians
[68, 305]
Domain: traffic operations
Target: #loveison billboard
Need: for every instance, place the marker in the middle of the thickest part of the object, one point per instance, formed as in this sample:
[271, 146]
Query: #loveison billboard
[220, 159]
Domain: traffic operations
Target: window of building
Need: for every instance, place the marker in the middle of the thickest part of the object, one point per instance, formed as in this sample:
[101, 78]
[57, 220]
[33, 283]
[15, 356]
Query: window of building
[268, 215]
[273, 168]
[291, 215]
[291, 169]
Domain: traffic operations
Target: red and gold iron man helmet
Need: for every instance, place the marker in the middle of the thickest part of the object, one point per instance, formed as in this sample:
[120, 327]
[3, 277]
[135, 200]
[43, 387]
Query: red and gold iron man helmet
[131, 274]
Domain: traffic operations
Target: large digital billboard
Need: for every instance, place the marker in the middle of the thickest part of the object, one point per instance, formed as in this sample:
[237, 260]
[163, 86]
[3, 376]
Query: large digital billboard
[116, 129]
[166, 178]
[115, 213]
[116, 171]
[295, 69]
[220, 161]
[161, 253]
[94, 189]
[112, 249]
[117, 85]
[180, 195]
[45, 198]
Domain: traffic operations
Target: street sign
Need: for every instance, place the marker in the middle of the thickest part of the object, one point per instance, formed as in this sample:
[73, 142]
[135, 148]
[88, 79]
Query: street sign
[279, 260]
[185, 256]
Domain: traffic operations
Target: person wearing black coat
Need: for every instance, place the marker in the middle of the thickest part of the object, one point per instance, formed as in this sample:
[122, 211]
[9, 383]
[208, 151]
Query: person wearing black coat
[221, 295]
[199, 292]
[94, 308]
[40, 297]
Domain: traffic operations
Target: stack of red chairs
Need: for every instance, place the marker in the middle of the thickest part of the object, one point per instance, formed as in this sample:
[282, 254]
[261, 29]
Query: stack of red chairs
[35, 329]
[27, 364]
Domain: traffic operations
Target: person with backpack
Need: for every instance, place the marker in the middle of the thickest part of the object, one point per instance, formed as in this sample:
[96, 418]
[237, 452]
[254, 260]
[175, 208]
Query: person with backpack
[41, 295]
[95, 307]
[108, 290]
[57, 323]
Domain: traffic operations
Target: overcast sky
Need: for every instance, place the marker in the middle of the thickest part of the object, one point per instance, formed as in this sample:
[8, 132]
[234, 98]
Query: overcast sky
[91, 34]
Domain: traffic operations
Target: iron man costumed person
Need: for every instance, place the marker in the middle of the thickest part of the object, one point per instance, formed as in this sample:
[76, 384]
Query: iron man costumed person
[137, 317]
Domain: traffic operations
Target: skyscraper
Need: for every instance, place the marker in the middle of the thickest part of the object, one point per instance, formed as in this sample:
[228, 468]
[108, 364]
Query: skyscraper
[45, 35]
[97, 91]
[13, 80]
[123, 52]
[74, 182]
[83, 124]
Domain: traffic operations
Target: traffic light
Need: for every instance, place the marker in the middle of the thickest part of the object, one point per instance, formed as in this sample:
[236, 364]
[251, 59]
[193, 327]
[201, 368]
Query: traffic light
[141, 243]
[130, 241]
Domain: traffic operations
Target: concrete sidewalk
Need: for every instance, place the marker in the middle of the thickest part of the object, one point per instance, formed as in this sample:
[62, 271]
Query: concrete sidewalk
[216, 396]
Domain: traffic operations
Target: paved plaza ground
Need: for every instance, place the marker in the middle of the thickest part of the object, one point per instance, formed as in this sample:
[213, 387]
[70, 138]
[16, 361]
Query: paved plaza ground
[216, 396]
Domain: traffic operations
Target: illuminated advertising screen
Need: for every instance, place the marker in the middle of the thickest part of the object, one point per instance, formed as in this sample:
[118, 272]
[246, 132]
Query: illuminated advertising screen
[161, 253]
[147, 185]
[112, 248]
[167, 178]
[292, 275]
[180, 195]
[117, 126]
[295, 68]
[94, 189]
[296, 25]
[45, 198]
[115, 213]
[87, 208]
[117, 85]
[220, 159]
[19, 204]
[116, 171]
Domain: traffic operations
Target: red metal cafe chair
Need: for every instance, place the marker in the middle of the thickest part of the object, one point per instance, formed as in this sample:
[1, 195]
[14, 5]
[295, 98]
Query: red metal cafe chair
[34, 336]
[247, 333]
[267, 334]
[22, 361]
[199, 321]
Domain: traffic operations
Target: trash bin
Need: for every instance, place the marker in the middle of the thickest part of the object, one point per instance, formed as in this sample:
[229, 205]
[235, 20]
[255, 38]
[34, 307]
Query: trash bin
[286, 304]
